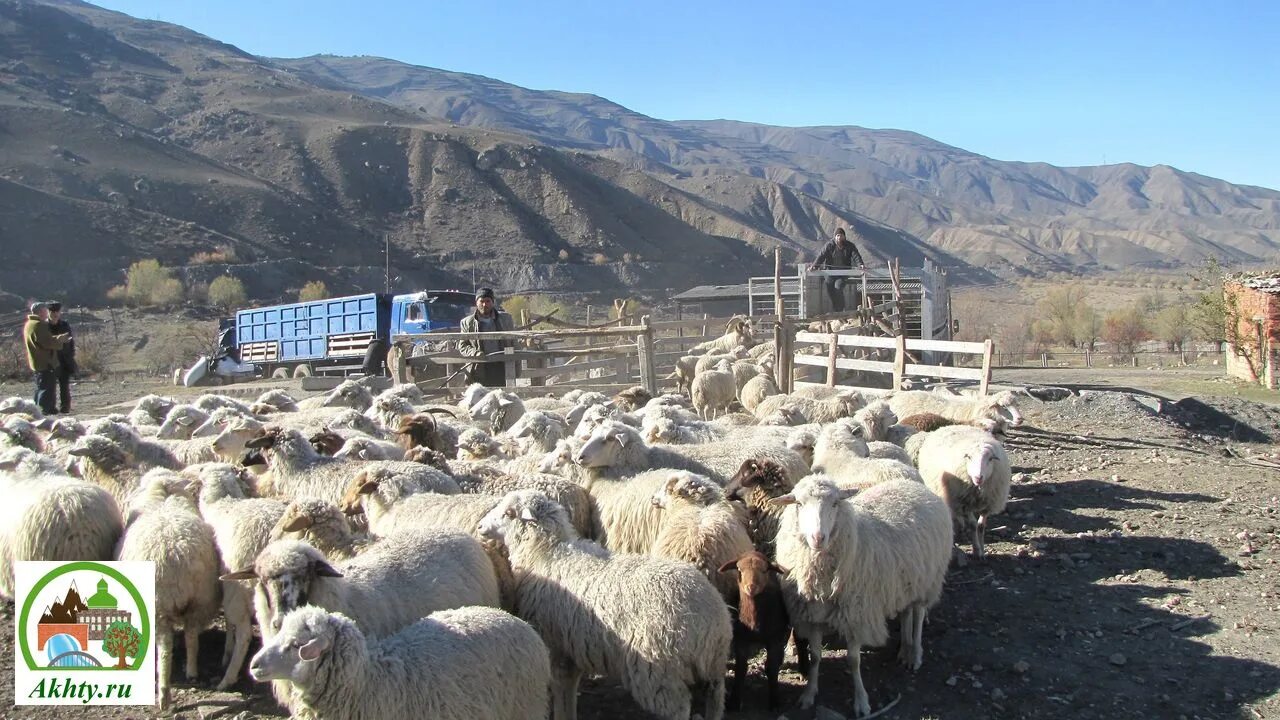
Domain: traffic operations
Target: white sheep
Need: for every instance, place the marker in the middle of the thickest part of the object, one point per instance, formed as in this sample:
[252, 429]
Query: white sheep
[367, 448]
[49, 516]
[142, 452]
[397, 580]
[348, 394]
[852, 565]
[655, 625]
[463, 664]
[713, 390]
[756, 390]
[664, 430]
[970, 471]
[743, 371]
[387, 410]
[105, 463]
[498, 410]
[212, 401]
[875, 418]
[278, 399]
[700, 527]
[242, 527]
[536, 431]
[999, 408]
[15, 405]
[181, 421]
[17, 431]
[182, 546]
[844, 403]
[842, 454]
[150, 410]
[737, 333]
[220, 418]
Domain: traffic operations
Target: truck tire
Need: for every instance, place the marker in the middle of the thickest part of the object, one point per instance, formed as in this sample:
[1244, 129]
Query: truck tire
[302, 371]
[375, 357]
[280, 373]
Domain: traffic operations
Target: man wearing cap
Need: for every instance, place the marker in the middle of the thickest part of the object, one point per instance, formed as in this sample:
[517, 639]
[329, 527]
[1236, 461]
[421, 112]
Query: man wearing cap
[42, 355]
[66, 356]
[486, 318]
[839, 254]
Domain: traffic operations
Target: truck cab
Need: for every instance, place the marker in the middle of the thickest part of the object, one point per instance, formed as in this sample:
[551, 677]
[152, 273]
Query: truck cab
[429, 311]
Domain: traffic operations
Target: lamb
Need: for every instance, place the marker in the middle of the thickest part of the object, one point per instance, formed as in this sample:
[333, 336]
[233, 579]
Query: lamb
[151, 410]
[461, 664]
[759, 618]
[296, 470]
[756, 390]
[841, 453]
[182, 547]
[970, 471]
[713, 390]
[853, 565]
[51, 517]
[617, 450]
[737, 333]
[278, 399]
[998, 408]
[242, 527]
[181, 422]
[844, 404]
[472, 395]
[399, 579]
[321, 523]
[700, 527]
[684, 372]
[656, 625]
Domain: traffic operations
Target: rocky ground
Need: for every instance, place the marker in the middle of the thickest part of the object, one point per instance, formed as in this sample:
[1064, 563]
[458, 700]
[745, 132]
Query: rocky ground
[1134, 574]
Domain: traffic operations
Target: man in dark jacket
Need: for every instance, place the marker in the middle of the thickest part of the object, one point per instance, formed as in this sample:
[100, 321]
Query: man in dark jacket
[839, 254]
[66, 356]
[486, 319]
[42, 355]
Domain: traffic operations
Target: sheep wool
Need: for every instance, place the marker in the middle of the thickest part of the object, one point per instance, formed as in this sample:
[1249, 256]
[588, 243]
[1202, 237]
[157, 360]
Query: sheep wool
[471, 663]
[970, 471]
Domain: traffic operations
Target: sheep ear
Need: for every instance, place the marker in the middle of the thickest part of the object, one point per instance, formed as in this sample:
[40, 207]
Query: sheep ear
[730, 566]
[788, 499]
[296, 524]
[324, 569]
[527, 515]
[778, 569]
[847, 493]
[367, 486]
[79, 452]
[622, 439]
[240, 575]
[45, 424]
[259, 443]
[186, 421]
[313, 650]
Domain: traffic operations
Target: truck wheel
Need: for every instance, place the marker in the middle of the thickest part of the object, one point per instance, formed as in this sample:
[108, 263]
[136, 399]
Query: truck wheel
[302, 371]
[280, 373]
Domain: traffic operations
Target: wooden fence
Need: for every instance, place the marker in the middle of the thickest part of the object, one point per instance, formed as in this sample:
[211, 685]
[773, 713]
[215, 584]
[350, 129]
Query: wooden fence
[601, 358]
[864, 347]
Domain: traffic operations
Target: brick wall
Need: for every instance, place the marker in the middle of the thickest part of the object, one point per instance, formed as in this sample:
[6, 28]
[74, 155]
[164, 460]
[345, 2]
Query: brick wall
[44, 631]
[1254, 361]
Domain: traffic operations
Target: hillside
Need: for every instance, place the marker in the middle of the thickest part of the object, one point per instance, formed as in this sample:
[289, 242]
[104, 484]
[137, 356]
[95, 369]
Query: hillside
[1012, 217]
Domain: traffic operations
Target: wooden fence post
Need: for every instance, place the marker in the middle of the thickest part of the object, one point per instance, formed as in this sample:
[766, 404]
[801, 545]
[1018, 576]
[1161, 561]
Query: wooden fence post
[644, 346]
[831, 360]
[786, 383]
[509, 366]
[899, 361]
[988, 349]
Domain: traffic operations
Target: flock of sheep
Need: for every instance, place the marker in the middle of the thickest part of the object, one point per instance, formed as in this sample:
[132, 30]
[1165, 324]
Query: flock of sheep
[475, 559]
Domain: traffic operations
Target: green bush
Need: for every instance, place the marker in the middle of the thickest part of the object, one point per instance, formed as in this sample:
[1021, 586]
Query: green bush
[227, 292]
[148, 284]
[314, 290]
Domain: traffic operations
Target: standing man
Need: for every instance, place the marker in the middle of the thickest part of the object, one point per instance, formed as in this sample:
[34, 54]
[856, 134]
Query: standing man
[42, 355]
[66, 356]
[486, 319]
[839, 254]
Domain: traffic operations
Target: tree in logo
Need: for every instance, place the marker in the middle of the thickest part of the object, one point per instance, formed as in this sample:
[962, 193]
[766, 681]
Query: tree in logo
[120, 640]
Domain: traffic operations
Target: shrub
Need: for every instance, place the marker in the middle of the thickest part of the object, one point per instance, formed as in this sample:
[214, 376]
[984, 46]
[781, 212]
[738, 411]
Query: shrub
[599, 258]
[227, 292]
[535, 306]
[91, 353]
[13, 359]
[1126, 330]
[221, 255]
[314, 290]
[147, 283]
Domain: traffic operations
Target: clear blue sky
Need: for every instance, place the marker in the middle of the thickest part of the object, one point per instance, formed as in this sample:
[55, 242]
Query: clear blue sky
[1191, 84]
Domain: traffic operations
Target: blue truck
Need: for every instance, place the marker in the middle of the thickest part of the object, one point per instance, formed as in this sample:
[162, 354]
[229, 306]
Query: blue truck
[337, 336]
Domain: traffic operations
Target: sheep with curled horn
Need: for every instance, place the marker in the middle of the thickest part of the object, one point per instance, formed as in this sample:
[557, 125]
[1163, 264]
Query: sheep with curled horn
[423, 429]
[737, 331]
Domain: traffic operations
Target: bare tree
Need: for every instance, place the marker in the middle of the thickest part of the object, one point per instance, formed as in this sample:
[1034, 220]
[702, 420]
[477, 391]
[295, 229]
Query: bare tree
[1125, 330]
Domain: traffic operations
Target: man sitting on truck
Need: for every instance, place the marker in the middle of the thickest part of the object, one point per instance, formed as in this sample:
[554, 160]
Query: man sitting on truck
[486, 319]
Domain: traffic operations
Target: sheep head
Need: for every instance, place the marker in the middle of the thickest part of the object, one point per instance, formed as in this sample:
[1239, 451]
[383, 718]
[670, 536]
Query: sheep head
[1002, 408]
[818, 501]
[419, 429]
[285, 571]
[687, 487]
[526, 516]
[760, 475]
[756, 575]
[632, 399]
[349, 394]
[326, 442]
[359, 486]
[295, 519]
[181, 422]
[304, 637]
[427, 456]
[103, 452]
[605, 445]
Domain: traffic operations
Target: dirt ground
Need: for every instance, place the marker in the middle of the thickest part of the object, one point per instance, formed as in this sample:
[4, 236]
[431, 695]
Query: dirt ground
[1134, 574]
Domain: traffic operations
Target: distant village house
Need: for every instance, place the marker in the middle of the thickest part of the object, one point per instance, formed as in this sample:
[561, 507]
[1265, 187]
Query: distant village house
[1253, 327]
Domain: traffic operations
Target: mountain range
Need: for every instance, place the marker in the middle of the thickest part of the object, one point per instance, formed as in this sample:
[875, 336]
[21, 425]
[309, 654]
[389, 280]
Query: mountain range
[123, 138]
